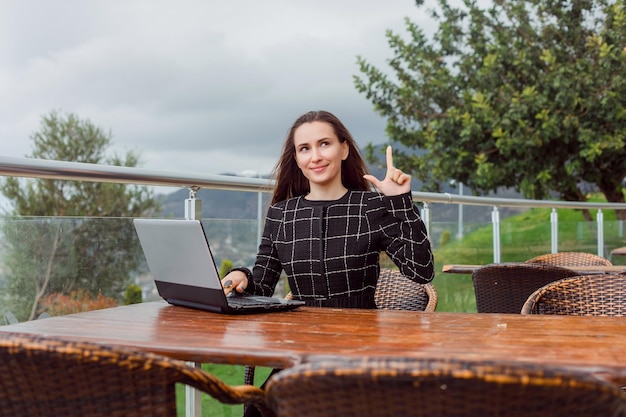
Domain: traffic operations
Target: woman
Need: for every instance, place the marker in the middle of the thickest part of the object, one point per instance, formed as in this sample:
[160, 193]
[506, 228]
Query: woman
[326, 228]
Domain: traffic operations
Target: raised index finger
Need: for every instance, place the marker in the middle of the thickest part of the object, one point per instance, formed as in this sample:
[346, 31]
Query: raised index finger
[389, 158]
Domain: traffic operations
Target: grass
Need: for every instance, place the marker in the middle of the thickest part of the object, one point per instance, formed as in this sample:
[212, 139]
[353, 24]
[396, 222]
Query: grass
[231, 374]
[522, 237]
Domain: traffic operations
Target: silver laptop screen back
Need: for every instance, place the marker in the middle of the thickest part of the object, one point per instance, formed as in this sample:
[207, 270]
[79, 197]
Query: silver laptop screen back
[177, 251]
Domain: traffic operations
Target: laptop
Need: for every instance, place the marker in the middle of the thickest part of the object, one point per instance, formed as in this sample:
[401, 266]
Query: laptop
[185, 273]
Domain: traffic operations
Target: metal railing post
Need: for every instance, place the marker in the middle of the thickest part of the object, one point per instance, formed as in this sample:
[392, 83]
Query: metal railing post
[554, 231]
[193, 397]
[459, 233]
[495, 221]
[426, 218]
[600, 222]
[193, 206]
[259, 218]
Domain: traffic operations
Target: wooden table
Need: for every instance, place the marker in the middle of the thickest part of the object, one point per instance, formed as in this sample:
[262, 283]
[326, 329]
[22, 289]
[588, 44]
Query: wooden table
[582, 270]
[618, 252]
[594, 344]
[618, 256]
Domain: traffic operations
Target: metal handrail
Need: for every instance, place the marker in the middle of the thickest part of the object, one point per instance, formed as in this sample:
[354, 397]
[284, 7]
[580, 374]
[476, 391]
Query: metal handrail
[79, 171]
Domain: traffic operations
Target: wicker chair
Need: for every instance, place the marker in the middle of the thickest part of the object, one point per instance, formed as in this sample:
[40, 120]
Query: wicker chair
[393, 292]
[589, 295]
[53, 377]
[432, 387]
[571, 259]
[505, 287]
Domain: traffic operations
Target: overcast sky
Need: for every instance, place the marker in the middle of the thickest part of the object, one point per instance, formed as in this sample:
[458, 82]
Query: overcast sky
[193, 86]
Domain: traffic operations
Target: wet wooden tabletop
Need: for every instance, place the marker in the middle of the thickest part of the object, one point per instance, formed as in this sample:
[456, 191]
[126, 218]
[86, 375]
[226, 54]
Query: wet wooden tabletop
[594, 344]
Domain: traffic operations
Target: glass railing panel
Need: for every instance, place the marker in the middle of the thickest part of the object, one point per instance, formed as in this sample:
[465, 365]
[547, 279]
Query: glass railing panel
[55, 265]
[76, 264]
[615, 238]
[583, 237]
[473, 246]
[521, 240]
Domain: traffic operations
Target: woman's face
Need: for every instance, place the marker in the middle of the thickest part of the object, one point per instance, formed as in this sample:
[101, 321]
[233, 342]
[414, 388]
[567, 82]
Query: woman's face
[319, 153]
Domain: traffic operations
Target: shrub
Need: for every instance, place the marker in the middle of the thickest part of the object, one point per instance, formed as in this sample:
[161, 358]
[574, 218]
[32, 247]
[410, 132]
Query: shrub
[79, 300]
[446, 236]
[133, 295]
[225, 267]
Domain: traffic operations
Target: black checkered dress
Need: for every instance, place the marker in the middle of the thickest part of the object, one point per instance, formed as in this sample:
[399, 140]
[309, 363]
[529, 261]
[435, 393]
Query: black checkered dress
[330, 250]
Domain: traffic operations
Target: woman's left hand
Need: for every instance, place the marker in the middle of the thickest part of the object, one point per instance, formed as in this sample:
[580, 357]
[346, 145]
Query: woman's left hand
[396, 182]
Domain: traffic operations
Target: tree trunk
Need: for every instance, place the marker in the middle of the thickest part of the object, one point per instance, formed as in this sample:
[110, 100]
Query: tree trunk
[614, 193]
[574, 194]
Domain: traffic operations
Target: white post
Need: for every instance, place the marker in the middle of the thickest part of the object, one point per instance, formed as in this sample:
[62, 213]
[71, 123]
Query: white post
[426, 218]
[193, 206]
[459, 234]
[193, 397]
[600, 221]
[554, 231]
[495, 221]
[259, 218]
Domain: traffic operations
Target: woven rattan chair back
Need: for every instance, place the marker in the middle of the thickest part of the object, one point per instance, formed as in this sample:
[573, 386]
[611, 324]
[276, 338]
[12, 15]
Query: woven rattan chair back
[394, 291]
[571, 259]
[589, 295]
[505, 287]
[431, 387]
[51, 378]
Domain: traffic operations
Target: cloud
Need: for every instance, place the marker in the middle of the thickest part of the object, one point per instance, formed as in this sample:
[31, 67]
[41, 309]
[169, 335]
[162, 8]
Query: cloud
[191, 85]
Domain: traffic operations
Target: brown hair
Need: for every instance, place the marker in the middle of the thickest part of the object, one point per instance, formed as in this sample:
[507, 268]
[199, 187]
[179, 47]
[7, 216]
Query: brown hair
[290, 182]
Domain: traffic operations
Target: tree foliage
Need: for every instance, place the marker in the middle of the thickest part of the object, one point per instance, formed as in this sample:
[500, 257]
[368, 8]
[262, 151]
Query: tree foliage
[523, 94]
[65, 236]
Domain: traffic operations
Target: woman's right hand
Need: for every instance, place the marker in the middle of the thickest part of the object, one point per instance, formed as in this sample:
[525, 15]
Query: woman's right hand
[238, 282]
[396, 182]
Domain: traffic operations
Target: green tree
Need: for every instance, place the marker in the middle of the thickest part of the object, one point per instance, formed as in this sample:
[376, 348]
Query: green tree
[523, 94]
[90, 243]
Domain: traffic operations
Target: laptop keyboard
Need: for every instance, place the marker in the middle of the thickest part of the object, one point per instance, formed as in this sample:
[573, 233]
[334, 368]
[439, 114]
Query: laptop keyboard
[252, 300]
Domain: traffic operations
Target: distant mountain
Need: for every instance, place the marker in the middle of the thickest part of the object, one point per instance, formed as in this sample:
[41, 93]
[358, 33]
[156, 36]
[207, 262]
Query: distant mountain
[220, 204]
[216, 204]
[450, 212]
